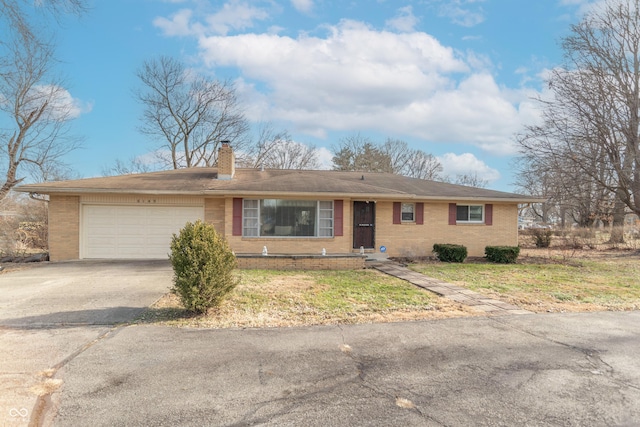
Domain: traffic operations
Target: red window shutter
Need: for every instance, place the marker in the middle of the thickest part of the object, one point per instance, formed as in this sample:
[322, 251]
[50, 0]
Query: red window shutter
[452, 213]
[338, 217]
[237, 217]
[419, 213]
[488, 214]
[397, 212]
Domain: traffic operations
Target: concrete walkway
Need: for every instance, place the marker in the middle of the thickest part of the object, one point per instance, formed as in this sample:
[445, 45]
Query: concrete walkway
[448, 290]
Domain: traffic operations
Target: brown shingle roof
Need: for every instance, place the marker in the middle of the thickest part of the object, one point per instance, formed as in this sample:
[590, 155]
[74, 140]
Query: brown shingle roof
[271, 182]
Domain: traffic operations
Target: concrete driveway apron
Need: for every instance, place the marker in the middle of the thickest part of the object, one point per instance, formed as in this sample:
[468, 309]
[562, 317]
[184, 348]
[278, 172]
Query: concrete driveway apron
[51, 312]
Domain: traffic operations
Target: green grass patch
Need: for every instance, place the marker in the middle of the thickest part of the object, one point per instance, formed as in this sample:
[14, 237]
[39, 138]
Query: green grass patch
[612, 283]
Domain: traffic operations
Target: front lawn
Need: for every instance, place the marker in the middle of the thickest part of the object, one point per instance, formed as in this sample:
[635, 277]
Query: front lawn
[284, 298]
[543, 281]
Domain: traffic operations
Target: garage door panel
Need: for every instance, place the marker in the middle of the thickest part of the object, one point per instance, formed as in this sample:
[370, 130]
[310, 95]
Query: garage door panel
[133, 231]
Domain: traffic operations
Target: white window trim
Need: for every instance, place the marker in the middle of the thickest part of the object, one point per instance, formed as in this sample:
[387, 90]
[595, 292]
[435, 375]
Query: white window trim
[317, 226]
[469, 221]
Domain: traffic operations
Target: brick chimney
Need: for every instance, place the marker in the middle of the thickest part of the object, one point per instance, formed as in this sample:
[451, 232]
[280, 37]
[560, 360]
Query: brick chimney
[226, 161]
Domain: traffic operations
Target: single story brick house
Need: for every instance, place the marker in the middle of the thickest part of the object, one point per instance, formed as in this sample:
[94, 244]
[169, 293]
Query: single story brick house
[288, 211]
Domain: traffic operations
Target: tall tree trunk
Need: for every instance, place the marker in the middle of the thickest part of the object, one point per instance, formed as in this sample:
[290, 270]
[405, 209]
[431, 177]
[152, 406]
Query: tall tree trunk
[617, 229]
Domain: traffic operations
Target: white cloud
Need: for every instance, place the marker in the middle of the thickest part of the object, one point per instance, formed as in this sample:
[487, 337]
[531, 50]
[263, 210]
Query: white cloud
[234, 15]
[304, 6]
[405, 21]
[178, 25]
[325, 158]
[356, 77]
[61, 105]
[584, 6]
[467, 164]
[352, 64]
[462, 12]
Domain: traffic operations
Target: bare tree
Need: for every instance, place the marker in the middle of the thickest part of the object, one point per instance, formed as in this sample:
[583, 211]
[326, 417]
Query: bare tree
[571, 194]
[277, 150]
[16, 13]
[409, 162]
[121, 167]
[35, 135]
[593, 120]
[358, 153]
[471, 180]
[188, 114]
[35, 109]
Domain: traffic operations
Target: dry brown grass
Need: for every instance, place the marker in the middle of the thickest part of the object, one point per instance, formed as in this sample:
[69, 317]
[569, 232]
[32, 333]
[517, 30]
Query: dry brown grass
[552, 280]
[279, 299]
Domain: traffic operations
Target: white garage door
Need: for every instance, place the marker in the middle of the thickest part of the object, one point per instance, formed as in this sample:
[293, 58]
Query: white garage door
[132, 232]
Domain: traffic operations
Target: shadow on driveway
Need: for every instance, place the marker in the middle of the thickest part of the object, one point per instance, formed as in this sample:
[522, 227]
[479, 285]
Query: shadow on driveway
[95, 317]
[81, 293]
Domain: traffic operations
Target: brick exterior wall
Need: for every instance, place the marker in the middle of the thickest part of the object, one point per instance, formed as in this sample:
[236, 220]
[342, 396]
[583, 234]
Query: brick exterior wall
[407, 239]
[410, 239]
[64, 227]
[214, 213]
[301, 262]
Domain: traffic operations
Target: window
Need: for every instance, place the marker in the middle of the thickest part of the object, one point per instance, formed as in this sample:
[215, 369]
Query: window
[250, 218]
[325, 225]
[287, 218]
[408, 212]
[469, 213]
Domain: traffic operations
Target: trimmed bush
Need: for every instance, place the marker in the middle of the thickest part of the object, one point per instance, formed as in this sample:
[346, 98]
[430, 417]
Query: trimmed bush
[502, 254]
[202, 265]
[450, 253]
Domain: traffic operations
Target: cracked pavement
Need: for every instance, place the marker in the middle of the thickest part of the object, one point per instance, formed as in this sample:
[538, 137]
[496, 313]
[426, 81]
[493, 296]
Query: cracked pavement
[69, 361]
[52, 312]
[556, 369]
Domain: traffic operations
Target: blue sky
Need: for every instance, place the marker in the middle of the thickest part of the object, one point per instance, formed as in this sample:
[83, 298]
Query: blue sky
[454, 78]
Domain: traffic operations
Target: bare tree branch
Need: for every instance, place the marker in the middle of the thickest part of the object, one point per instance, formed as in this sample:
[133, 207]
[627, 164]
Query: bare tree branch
[590, 129]
[277, 150]
[187, 114]
[35, 135]
[358, 153]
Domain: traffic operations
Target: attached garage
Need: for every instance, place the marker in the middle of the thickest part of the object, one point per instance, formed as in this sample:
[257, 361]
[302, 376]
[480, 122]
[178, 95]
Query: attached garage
[132, 231]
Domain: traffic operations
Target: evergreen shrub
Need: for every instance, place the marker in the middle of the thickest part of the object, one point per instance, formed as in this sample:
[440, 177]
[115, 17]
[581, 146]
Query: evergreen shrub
[502, 254]
[449, 252]
[203, 265]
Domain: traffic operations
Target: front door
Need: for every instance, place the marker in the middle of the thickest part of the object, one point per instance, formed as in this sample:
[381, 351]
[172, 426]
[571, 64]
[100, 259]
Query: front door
[364, 220]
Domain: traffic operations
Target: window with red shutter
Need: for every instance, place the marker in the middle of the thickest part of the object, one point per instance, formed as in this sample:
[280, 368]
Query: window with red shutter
[488, 214]
[419, 213]
[237, 217]
[452, 213]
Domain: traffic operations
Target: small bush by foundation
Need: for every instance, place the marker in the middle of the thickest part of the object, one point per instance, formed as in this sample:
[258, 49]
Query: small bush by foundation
[502, 254]
[450, 253]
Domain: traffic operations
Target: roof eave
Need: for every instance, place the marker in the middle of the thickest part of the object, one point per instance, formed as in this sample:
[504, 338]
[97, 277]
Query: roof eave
[333, 195]
[70, 191]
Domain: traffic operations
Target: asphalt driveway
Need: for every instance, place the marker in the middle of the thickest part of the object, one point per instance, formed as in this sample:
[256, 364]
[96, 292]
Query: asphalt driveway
[528, 370]
[80, 292]
[51, 312]
[68, 357]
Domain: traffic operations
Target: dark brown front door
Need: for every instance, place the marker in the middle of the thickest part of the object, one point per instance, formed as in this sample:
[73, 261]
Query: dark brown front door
[364, 221]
